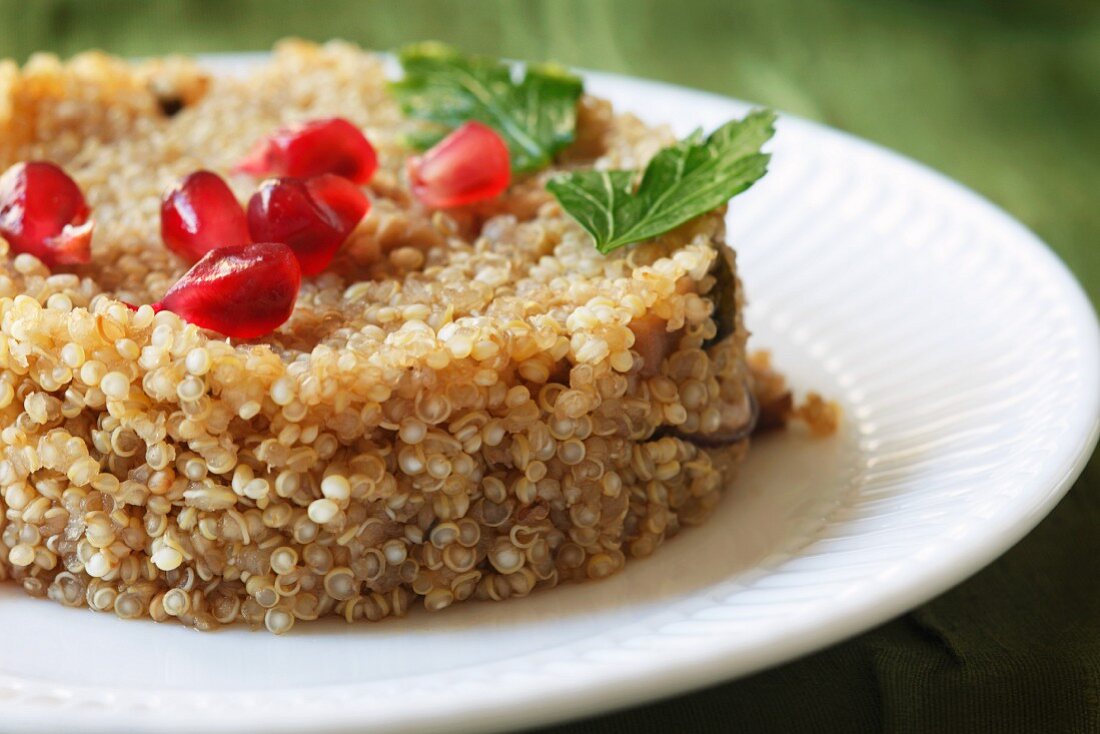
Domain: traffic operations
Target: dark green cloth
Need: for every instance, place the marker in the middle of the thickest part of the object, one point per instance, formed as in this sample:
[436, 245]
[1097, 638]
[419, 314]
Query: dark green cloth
[1004, 96]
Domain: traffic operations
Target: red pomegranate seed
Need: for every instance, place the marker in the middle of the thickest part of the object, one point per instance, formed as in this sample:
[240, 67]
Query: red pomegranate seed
[312, 148]
[199, 214]
[471, 164]
[43, 212]
[313, 217]
[244, 291]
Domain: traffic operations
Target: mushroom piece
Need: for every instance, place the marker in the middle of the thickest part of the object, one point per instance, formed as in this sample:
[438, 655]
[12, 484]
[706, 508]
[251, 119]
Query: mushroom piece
[653, 341]
[738, 422]
[724, 295]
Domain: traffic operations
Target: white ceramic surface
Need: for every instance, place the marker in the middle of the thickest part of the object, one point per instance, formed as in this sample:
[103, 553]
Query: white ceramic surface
[963, 352]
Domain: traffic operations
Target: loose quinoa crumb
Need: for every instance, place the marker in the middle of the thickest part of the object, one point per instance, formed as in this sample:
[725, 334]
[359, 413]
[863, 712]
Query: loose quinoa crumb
[777, 406]
[466, 405]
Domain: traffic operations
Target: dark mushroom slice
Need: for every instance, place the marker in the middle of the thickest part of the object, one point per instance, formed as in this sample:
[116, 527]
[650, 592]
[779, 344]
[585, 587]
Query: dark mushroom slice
[775, 411]
[724, 295]
[738, 423]
[170, 105]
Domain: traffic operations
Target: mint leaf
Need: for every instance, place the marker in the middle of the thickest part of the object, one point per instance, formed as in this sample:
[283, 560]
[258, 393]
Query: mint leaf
[682, 182]
[535, 113]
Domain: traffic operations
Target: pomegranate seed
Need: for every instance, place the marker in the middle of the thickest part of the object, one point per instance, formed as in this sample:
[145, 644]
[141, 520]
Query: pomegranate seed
[243, 291]
[312, 148]
[471, 164]
[199, 214]
[43, 212]
[313, 217]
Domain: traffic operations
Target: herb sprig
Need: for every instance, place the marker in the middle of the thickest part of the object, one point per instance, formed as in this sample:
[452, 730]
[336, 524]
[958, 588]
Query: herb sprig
[680, 183]
[535, 113]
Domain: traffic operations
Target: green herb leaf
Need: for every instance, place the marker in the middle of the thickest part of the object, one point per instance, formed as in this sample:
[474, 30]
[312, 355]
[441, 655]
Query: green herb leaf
[682, 182]
[536, 114]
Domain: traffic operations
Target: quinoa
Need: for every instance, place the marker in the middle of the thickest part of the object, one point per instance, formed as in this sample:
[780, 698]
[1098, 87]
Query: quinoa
[464, 406]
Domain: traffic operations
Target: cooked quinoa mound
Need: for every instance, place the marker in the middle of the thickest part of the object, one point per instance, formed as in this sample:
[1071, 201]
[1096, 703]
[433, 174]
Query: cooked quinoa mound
[465, 405]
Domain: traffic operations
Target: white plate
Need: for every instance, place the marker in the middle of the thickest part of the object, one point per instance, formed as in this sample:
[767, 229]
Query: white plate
[966, 358]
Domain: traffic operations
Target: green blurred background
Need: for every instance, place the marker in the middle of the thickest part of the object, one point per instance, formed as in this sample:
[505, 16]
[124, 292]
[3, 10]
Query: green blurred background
[1001, 95]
